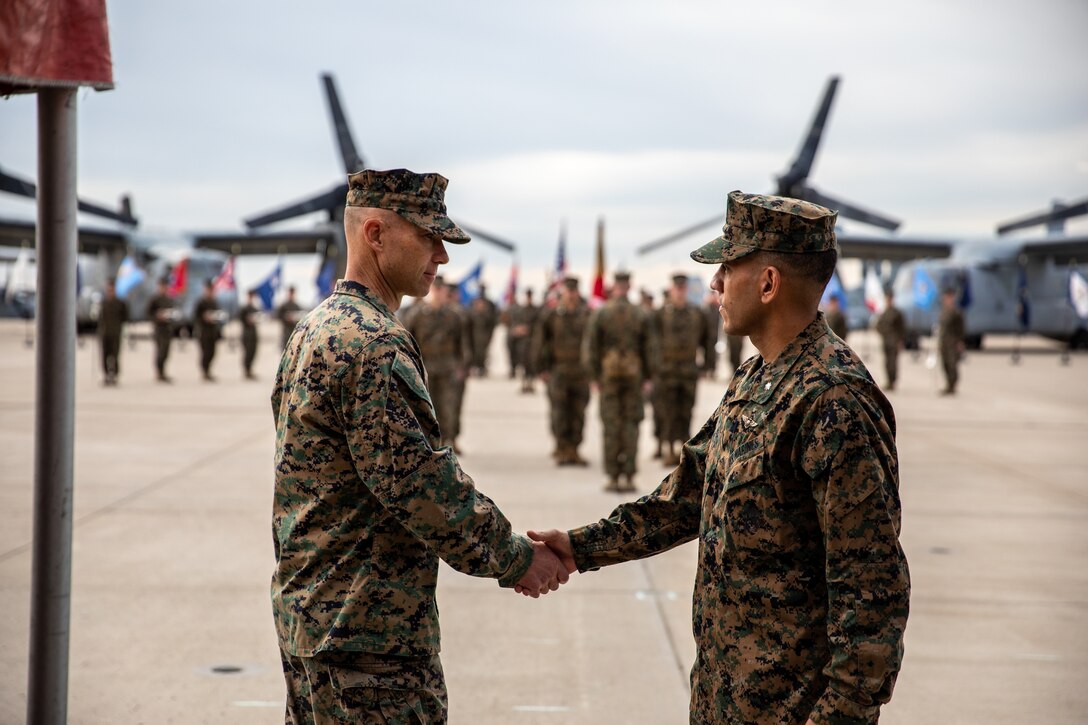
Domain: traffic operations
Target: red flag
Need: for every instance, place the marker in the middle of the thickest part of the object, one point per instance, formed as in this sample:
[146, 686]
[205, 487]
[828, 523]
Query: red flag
[179, 277]
[597, 298]
[54, 44]
[510, 297]
[224, 281]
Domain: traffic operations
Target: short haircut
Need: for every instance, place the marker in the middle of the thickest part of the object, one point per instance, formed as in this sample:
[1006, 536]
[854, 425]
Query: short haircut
[815, 267]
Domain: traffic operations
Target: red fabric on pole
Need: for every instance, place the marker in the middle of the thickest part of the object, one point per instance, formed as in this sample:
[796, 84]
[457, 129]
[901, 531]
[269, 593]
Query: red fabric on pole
[54, 44]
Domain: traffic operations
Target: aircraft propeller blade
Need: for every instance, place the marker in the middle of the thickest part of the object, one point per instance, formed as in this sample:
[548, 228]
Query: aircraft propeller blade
[1054, 216]
[663, 241]
[352, 160]
[327, 201]
[794, 178]
[848, 210]
[488, 237]
[21, 187]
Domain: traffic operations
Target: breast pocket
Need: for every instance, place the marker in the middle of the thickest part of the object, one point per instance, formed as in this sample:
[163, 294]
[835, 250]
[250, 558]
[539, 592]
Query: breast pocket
[755, 514]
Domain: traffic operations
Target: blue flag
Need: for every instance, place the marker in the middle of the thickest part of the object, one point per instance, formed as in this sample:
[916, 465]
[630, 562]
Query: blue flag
[925, 290]
[129, 275]
[965, 290]
[266, 290]
[326, 278]
[834, 289]
[468, 288]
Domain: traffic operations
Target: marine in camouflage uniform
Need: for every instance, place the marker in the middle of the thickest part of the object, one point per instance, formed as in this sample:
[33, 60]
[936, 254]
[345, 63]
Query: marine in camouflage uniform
[836, 320]
[892, 327]
[366, 500]
[682, 346]
[520, 322]
[618, 354]
[441, 331]
[248, 316]
[163, 312]
[951, 330]
[485, 317]
[791, 490]
[206, 319]
[288, 313]
[112, 316]
[557, 357]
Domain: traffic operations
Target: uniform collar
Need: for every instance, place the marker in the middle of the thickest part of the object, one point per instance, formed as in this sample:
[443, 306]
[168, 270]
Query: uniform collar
[351, 288]
[762, 379]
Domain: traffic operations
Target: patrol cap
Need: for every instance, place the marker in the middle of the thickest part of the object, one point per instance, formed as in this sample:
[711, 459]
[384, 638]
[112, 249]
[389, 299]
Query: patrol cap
[571, 283]
[622, 277]
[419, 198]
[771, 223]
[680, 279]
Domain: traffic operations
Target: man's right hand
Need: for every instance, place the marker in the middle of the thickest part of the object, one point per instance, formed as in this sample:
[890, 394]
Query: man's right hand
[545, 574]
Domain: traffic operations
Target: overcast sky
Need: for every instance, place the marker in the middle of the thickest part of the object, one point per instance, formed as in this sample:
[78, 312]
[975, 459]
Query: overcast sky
[951, 116]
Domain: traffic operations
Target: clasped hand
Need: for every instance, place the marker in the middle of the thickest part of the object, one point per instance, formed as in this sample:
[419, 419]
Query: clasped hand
[553, 563]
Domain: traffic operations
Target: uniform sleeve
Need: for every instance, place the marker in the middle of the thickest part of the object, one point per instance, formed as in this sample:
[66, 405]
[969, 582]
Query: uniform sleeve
[591, 346]
[540, 349]
[664, 519]
[387, 412]
[850, 456]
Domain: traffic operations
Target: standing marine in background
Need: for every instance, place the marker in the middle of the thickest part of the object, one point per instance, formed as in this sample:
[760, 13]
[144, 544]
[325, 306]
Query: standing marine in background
[892, 327]
[836, 320]
[163, 311]
[681, 339]
[520, 322]
[951, 330]
[112, 316]
[617, 351]
[288, 313]
[485, 317]
[713, 331]
[439, 330]
[249, 315]
[557, 357]
[206, 320]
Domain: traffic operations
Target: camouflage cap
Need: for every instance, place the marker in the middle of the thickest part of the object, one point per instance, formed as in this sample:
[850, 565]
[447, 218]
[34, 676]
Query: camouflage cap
[680, 279]
[419, 198]
[770, 223]
[622, 277]
[571, 283]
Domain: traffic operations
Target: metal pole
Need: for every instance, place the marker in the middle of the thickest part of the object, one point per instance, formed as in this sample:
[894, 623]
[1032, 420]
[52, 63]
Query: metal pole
[54, 417]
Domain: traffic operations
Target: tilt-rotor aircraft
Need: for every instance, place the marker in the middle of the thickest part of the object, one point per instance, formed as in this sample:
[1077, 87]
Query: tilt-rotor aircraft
[1005, 284]
[327, 238]
[101, 251]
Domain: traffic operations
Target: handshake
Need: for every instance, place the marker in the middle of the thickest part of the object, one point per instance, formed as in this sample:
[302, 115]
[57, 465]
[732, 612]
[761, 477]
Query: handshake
[553, 563]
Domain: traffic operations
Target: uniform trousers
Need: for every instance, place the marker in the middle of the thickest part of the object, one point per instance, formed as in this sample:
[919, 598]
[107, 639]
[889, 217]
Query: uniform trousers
[622, 408]
[358, 688]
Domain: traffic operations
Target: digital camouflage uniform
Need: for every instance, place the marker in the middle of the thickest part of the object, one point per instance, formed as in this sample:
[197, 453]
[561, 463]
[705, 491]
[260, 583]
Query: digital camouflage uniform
[163, 312]
[791, 489]
[617, 352]
[443, 338]
[950, 334]
[681, 339]
[207, 331]
[248, 316]
[485, 316]
[836, 320]
[892, 327]
[288, 313]
[557, 350]
[112, 317]
[802, 590]
[521, 319]
[366, 501]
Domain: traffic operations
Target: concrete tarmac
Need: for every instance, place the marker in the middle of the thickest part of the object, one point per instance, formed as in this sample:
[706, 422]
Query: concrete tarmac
[171, 621]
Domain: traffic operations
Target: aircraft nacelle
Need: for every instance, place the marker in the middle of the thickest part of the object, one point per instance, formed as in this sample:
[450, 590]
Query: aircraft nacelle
[997, 297]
